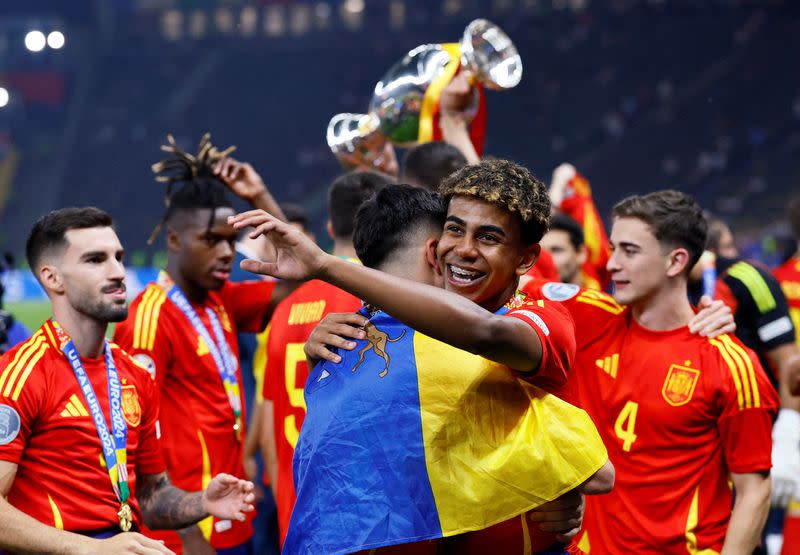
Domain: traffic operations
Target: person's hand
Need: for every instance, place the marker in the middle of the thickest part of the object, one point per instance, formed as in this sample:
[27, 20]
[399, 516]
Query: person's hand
[562, 175]
[127, 543]
[713, 318]
[563, 515]
[228, 497]
[240, 178]
[335, 330]
[785, 457]
[297, 257]
[458, 95]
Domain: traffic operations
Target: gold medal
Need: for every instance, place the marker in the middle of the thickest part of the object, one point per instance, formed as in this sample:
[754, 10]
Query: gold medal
[125, 515]
[237, 429]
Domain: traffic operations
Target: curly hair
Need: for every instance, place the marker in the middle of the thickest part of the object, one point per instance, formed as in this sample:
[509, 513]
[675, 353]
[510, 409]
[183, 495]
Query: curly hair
[509, 186]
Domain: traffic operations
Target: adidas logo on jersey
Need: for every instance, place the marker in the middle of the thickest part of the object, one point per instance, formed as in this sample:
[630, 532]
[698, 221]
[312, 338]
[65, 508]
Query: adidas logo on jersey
[609, 364]
[74, 408]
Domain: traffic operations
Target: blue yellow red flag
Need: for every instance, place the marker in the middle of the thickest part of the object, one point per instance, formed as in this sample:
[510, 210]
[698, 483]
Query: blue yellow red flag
[409, 439]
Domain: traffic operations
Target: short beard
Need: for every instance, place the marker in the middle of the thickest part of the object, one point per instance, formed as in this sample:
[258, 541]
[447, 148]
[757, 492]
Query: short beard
[100, 311]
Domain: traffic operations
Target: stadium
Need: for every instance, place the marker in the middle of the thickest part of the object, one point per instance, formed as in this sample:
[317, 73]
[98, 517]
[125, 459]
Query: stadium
[556, 141]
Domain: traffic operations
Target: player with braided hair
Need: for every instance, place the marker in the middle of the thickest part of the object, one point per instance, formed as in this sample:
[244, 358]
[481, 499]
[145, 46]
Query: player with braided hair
[183, 327]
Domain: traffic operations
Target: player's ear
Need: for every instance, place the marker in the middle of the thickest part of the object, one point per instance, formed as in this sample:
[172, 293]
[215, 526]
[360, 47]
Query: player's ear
[430, 254]
[677, 260]
[528, 257]
[51, 278]
[173, 240]
[329, 229]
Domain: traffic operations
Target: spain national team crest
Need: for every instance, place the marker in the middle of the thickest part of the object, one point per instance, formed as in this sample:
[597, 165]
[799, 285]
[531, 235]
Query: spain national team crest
[131, 409]
[679, 385]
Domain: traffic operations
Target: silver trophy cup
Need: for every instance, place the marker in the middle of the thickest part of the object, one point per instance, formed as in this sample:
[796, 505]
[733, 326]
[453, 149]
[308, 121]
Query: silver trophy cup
[357, 141]
[485, 50]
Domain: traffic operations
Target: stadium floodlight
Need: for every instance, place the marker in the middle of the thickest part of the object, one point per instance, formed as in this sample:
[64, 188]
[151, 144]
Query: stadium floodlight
[55, 40]
[353, 6]
[4, 97]
[35, 41]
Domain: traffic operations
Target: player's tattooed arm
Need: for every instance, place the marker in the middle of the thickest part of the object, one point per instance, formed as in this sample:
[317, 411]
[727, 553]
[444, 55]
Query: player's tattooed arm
[166, 507]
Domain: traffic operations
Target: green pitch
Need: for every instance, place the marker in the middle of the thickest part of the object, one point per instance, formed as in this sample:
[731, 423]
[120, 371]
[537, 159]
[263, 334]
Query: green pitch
[30, 313]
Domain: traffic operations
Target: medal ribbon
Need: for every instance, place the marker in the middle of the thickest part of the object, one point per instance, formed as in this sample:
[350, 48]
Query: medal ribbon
[114, 442]
[219, 349]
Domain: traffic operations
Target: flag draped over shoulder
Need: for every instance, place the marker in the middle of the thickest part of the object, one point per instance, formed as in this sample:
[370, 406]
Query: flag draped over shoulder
[408, 439]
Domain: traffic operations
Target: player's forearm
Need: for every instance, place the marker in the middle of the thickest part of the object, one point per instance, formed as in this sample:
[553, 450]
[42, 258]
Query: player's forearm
[20, 533]
[165, 507]
[440, 314]
[748, 517]
[455, 132]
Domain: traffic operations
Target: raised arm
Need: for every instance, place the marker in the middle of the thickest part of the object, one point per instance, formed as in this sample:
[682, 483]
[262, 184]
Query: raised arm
[440, 314]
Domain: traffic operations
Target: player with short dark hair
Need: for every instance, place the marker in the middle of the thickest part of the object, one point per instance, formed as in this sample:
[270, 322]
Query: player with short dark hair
[80, 461]
[183, 327]
[428, 164]
[564, 241]
[684, 410]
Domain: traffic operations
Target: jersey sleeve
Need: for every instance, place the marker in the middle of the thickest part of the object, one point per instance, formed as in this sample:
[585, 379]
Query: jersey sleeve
[595, 310]
[760, 294]
[248, 303]
[749, 406]
[556, 330]
[22, 398]
[143, 334]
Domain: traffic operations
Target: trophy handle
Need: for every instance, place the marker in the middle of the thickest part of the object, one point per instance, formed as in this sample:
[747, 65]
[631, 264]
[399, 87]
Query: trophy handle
[490, 55]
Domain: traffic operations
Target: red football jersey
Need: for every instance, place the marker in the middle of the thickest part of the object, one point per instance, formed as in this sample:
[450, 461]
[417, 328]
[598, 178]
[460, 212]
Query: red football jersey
[678, 413]
[197, 435]
[788, 275]
[286, 373]
[47, 430]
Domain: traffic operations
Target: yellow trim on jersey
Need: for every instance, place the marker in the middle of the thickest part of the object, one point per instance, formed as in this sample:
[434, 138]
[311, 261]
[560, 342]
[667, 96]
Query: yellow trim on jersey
[207, 524]
[57, 520]
[754, 282]
[22, 365]
[527, 548]
[600, 300]
[260, 362]
[741, 368]
[748, 368]
[26, 346]
[584, 544]
[137, 326]
[144, 330]
[691, 524]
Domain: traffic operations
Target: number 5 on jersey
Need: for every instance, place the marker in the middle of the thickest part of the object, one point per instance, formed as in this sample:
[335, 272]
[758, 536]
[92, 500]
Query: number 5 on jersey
[294, 357]
[626, 424]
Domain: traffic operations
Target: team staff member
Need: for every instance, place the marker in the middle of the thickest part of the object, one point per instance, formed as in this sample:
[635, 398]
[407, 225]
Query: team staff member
[183, 328]
[78, 442]
[684, 411]
[281, 352]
